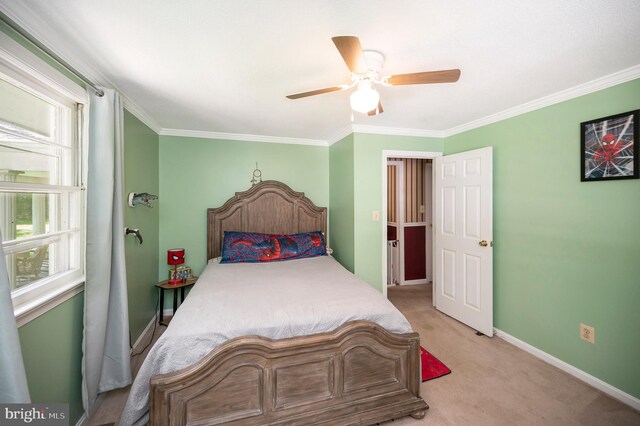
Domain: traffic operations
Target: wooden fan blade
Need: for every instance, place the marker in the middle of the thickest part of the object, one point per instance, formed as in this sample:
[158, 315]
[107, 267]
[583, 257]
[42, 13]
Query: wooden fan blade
[351, 51]
[314, 92]
[429, 77]
[376, 111]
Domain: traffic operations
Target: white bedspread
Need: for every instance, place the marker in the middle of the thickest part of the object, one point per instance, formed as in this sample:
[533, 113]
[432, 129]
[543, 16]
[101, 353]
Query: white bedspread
[276, 300]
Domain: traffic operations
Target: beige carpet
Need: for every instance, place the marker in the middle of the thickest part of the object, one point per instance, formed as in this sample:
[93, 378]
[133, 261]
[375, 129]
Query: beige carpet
[492, 382]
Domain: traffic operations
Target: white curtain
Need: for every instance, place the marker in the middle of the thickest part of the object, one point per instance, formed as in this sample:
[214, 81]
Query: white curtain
[13, 379]
[106, 362]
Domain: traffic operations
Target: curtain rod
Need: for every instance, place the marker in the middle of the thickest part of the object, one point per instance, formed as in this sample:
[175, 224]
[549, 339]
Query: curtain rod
[18, 29]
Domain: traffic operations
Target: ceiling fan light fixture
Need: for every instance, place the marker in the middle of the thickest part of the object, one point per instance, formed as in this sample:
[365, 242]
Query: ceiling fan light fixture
[365, 67]
[365, 98]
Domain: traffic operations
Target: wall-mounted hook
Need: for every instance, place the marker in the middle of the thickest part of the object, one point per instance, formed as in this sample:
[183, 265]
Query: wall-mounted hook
[257, 176]
[143, 198]
[135, 232]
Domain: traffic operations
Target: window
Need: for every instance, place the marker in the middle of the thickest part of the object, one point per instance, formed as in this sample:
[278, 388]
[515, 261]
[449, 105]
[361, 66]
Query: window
[41, 197]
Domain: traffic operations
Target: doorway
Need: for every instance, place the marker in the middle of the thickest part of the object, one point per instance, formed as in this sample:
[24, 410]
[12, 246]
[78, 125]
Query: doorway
[409, 214]
[406, 217]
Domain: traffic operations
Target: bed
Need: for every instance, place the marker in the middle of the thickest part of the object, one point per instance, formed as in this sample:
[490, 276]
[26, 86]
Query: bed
[309, 343]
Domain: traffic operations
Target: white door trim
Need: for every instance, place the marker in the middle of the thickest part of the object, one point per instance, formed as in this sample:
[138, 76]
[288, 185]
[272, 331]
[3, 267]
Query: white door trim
[399, 216]
[386, 154]
[428, 218]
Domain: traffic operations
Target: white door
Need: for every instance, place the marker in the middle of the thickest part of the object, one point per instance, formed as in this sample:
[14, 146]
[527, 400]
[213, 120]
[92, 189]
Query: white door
[463, 237]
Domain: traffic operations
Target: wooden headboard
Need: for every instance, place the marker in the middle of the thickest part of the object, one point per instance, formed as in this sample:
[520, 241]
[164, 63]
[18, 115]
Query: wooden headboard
[269, 207]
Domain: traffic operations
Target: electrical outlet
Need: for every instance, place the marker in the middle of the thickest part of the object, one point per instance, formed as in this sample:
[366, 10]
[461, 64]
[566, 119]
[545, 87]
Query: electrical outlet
[588, 333]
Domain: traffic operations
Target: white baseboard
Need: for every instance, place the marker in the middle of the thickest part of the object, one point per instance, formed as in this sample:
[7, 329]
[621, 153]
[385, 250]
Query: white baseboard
[82, 420]
[149, 326]
[613, 392]
[415, 282]
[144, 333]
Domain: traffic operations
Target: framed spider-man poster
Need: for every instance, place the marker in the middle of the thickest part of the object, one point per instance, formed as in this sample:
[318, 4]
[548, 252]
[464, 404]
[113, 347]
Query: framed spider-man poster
[610, 147]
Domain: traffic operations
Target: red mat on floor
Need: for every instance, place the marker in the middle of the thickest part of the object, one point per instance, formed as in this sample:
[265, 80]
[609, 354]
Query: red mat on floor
[432, 368]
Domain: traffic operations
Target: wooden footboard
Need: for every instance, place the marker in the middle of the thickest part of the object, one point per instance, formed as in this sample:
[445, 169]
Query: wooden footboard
[359, 374]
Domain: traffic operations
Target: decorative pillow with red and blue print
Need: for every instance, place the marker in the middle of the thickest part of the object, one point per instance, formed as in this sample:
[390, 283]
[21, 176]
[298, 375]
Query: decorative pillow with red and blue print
[253, 247]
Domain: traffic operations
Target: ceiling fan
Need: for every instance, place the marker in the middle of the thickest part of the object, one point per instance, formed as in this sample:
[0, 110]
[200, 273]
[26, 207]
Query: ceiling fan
[365, 66]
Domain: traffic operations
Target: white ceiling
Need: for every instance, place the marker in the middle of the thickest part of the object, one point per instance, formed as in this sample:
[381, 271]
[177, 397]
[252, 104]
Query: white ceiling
[226, 65]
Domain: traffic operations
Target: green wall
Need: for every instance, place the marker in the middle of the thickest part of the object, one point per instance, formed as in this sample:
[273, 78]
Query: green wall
[198, 173]
[52, 352]
[368, 188]
[341, 201]
[566, 252]
[141, 164]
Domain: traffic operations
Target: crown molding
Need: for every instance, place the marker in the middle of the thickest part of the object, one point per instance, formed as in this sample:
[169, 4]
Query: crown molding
[140, 114]
[50, 39]
[337, 137]
[381, 130]
[601, 83]
[241, 137]
[397, 131]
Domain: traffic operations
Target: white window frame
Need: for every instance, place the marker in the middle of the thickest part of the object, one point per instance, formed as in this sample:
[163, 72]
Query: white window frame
[23, 67]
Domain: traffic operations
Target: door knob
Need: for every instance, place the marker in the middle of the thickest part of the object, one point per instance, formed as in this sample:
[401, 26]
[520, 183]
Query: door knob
[483, 243]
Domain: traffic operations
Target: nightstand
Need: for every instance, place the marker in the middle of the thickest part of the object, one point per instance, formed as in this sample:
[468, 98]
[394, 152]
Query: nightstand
[164, 285]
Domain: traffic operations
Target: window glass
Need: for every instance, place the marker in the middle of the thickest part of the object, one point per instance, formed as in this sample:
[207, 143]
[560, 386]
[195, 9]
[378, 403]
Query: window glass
[26, 161]
[40, 194]
[29, 266]
[26, 111]
[27, 214]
